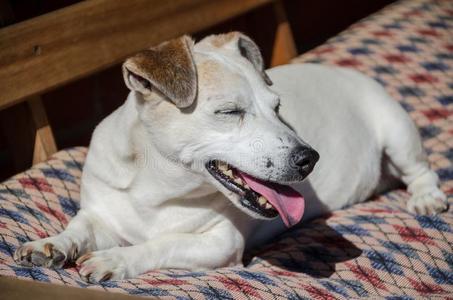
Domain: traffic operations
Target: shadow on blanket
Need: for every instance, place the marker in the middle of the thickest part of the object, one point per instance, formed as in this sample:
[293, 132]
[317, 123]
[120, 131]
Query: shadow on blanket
[313, 249]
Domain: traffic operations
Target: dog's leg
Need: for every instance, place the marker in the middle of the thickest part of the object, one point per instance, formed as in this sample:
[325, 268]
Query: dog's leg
[405, 150]
[81, 235]
[179, 251]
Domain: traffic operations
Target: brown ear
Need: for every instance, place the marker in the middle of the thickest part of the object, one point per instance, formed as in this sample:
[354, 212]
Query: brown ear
[169, 68]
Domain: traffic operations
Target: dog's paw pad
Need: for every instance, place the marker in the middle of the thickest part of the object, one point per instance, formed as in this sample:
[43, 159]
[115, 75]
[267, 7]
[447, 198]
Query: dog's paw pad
[40, 253]
[430, 203]
[100, 266]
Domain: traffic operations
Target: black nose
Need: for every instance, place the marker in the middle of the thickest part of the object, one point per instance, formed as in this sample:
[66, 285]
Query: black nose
[304, 159]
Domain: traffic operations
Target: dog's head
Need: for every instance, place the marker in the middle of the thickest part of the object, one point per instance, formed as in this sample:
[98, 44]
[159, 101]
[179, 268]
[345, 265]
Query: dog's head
[209, 106]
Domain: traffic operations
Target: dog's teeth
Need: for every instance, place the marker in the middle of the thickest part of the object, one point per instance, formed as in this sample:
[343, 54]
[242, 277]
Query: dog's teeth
[223, 167]
[246, 186]
[238, 181]
[229, 173]
[268, 206]
[262, 200]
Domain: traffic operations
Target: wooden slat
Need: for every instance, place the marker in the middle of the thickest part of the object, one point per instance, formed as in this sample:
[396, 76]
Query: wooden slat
[284, 46]
[28, 133]
[45, 52]
[44, 140]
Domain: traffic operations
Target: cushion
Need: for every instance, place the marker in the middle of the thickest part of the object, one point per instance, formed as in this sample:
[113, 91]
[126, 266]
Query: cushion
[375, 249]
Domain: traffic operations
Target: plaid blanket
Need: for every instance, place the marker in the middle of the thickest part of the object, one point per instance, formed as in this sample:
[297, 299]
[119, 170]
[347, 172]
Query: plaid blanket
[374, 249]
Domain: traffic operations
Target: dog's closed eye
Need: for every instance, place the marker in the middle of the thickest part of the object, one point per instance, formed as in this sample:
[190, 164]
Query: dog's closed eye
[233, 112]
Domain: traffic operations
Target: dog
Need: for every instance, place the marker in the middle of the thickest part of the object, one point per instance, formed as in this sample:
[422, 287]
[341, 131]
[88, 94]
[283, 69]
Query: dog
[209, 153]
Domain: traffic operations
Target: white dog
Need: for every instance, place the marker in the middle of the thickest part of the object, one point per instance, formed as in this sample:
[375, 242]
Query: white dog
[189, 171]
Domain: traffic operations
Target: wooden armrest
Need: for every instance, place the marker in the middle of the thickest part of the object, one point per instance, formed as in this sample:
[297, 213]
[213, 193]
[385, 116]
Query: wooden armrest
[16, 289]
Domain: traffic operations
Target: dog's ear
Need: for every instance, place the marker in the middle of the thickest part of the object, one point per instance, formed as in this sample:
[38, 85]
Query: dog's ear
[168, 68]
[243, 44]
[250, 50]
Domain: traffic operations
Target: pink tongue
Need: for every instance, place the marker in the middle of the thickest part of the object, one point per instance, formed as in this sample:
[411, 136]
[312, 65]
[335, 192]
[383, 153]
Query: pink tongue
[289, 203]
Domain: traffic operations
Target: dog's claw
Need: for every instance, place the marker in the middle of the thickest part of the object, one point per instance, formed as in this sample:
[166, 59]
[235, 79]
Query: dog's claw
[83, 258]
[39, 259]
[107, 276]
[39, 254]
[101, 266]
[48, 247]
[430, 203]
[22, 255]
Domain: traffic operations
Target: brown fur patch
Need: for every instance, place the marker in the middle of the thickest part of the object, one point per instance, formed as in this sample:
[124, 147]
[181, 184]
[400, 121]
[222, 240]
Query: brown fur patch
[48, 247]
[169, 68]
[83, 258]
[219, 40]
[209, 72]
[107, 276]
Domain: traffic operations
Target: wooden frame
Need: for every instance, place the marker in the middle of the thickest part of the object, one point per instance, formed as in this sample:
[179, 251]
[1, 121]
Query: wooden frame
[12, 289]
[284, 46]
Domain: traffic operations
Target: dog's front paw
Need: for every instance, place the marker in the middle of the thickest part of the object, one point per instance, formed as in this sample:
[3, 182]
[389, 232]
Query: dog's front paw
[46, 252]
[101, 266]
[428, 203]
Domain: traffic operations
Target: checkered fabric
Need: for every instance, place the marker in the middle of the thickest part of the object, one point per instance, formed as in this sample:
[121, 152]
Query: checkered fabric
[375, 249]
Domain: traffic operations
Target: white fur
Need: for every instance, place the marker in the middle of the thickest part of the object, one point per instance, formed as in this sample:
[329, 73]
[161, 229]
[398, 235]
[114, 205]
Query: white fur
[149, 203]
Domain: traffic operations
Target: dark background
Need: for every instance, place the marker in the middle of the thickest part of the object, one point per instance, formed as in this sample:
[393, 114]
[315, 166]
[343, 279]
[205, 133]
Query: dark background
[75, 109]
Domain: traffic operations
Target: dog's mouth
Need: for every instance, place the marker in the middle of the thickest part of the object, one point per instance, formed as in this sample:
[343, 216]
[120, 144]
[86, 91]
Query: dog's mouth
[265, 198]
